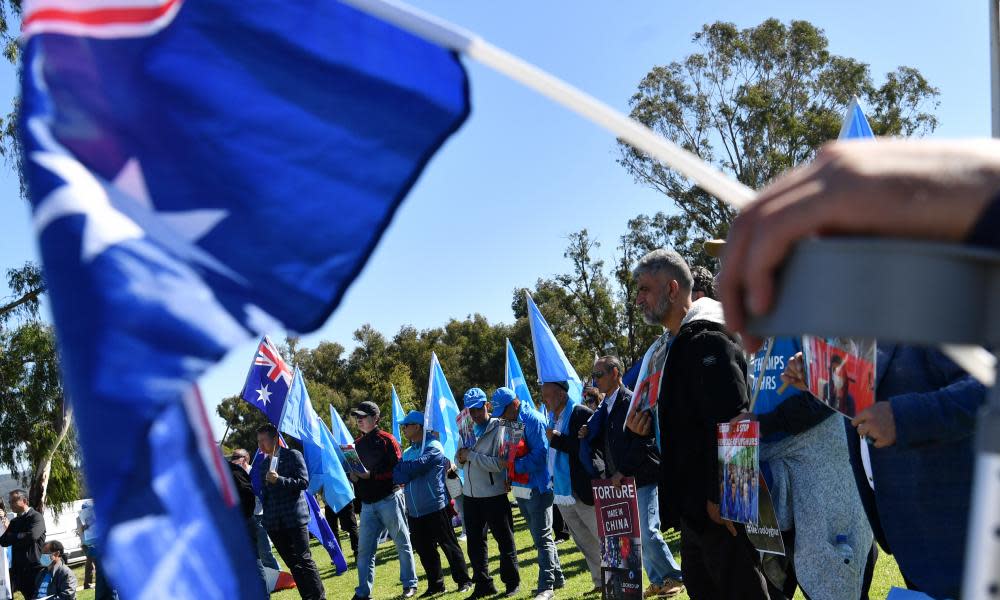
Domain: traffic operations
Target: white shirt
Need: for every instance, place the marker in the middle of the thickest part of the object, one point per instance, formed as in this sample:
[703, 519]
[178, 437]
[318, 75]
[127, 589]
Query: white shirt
[609, 401]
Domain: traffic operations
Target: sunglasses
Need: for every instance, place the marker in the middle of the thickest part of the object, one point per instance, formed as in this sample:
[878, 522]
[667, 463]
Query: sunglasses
[598, 374]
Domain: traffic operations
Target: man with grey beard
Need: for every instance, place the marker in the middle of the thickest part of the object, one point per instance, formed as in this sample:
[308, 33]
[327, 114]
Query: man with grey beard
[695, 375]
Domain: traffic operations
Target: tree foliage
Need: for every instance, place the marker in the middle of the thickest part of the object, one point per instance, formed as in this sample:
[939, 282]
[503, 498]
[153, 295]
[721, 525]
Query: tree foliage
[755, 102]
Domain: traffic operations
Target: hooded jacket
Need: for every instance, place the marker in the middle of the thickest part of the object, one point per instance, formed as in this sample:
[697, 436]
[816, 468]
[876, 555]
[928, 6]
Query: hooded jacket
[704, 383]
[485, 470]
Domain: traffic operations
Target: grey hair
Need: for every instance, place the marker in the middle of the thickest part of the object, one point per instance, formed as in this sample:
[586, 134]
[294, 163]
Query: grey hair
[613, 361]
[667, 261]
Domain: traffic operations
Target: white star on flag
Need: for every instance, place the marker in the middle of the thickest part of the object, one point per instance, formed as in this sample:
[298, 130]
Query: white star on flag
[263, 395]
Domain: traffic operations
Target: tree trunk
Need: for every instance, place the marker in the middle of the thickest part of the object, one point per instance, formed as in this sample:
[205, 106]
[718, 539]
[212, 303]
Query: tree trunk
[40, 473]
[28, 297]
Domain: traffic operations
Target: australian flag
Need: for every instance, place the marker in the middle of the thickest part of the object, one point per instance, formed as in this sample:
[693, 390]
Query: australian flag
[202, 172]
[268, 381]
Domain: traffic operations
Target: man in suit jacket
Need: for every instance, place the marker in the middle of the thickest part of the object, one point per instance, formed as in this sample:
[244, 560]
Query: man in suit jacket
[629, 455]
[26, 536]
[55, 581]
[286, 514]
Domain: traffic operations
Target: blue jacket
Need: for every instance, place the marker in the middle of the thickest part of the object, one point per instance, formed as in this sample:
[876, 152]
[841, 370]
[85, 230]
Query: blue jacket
[920, 507]
[422, 470]
[535, 463]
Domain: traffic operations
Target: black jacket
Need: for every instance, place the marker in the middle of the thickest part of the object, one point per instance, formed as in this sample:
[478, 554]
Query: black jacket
[704, 383]
[632, 455]
[570, 444]
[380, 453]
[25, 536]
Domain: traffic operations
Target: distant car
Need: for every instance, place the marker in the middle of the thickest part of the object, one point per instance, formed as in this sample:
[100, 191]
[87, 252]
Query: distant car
[63, 528]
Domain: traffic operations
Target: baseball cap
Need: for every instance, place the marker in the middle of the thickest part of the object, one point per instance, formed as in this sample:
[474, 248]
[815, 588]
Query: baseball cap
[474, 398]
[414, 417]
[366, 409]
[501, 400]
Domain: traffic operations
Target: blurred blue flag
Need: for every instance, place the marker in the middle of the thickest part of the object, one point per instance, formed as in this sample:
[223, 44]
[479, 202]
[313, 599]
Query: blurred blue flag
[441, 410]
[268, 381]
[319, 447]
[341, 434]
[514, 377]
[397, 415]
[855, 123]
[169, 148]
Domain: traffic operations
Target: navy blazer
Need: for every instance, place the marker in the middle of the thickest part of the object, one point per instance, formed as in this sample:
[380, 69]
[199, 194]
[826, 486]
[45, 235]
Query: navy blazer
[283, 502]
[920, 507]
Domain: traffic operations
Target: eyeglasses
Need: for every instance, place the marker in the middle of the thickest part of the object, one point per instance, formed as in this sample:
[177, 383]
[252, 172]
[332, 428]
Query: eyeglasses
[598, 374]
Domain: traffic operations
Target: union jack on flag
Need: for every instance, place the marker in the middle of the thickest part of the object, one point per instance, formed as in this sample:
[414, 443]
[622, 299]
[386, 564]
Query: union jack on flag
[268, 356]
[268, 381]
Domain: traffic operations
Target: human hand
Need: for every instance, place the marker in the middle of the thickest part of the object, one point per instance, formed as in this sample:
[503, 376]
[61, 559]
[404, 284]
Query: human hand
[795, 373]
[713, 513]
[550, 433]
[924, 189]
[271, 477]
[640, 422]
[878, 424]
[463, 455]
[583, 432]
[616, 479]
[743, 416]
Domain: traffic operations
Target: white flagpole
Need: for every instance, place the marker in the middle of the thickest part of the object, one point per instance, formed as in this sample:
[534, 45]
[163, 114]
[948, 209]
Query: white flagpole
[725, 188]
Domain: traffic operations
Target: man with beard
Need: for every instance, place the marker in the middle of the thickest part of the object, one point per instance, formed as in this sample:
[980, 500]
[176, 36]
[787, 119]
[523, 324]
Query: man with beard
[696, 372]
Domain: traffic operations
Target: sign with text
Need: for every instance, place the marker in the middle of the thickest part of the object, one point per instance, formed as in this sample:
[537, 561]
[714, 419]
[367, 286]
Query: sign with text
[617, 508]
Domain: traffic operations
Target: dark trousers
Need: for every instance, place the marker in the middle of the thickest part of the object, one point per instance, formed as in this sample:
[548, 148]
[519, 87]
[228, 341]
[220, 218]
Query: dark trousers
[426, 534]
[559, 529]
[292, 545]
[347, 521]
[718, 566]
[493, 513]
[88, 567]
[23, 578]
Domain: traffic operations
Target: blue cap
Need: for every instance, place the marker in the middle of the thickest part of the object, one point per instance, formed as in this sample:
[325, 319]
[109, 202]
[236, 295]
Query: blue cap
[414, 417]
[501, 400]
[474, 398]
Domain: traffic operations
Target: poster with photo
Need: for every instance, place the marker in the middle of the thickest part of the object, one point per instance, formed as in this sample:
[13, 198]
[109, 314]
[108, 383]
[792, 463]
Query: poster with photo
[739, 470]
[353, 460]
[466, 429]
[513, 433]
[765, 535]
[617, 509]
[646, 392]
[840, 372]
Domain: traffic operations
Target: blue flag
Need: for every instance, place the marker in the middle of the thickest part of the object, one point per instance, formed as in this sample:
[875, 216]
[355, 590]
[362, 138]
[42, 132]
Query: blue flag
[514, 377]
[855, 123]
[319, 448]
[441, 411]
[268, 381]
[397, 416]
[169, 148]
[341, 434]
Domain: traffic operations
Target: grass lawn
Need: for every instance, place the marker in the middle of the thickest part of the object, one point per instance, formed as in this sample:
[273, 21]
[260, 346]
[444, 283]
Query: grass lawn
[578, 583]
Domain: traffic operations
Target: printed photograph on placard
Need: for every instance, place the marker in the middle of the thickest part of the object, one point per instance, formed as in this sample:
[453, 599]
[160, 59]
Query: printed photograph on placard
[466, 429]
[765, 535]
[353, 460]
[840, 372]
[739, 471]
[513, 432]
[617, 511]
[644, 397]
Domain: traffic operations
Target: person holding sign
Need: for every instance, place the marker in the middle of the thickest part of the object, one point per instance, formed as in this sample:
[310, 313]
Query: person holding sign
[486, 505]
[534, 498]
[286, 514]
[629, 455]
[381, 499]
[703, 384]
[422, 471]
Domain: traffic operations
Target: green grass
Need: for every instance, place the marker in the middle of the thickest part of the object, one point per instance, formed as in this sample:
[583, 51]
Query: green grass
[578, 582]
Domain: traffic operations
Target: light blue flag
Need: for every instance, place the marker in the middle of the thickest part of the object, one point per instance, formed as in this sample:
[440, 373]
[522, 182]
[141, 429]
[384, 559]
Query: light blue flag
[441, 411]
[397, 415]
[514, 378]
[319, 447]
[341, 434]
[855, 123]
[552, 365]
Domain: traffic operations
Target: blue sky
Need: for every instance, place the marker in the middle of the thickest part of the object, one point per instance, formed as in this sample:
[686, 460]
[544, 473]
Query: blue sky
[494, 207]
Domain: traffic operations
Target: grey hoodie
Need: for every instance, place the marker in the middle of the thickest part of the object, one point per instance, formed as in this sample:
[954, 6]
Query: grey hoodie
[485, 471]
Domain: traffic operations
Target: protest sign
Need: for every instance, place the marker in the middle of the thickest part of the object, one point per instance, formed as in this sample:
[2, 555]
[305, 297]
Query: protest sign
[617, 508]
[840, 372]
[739, 470]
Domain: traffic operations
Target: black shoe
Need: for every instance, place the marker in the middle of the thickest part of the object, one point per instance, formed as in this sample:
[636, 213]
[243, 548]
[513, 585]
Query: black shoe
[512, 591]
[465, 587]
[432, 591]
[409, 592]
[483, 592]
